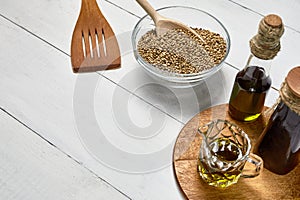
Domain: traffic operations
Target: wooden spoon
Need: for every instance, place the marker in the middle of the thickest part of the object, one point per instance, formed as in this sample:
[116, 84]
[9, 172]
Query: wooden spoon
[164, 24]
[94, 45]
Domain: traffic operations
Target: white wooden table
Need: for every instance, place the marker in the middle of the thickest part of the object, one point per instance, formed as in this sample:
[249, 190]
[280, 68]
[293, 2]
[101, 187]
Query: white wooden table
[107, 135]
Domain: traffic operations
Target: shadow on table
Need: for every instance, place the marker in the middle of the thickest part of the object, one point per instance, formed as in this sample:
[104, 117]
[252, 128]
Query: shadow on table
[180, 103]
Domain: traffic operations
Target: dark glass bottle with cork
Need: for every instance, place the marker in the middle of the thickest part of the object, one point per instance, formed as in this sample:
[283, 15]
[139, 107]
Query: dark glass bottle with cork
[253, 82]
[279, 144]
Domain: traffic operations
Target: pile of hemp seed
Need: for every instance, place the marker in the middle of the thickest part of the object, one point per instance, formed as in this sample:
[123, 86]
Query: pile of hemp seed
[178, 51]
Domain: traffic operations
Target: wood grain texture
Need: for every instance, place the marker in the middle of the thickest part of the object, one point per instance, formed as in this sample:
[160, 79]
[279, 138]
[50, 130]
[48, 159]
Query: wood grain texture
[33, 169]
[265, 186]
[292, 80]
[37, 88]
[94, 45]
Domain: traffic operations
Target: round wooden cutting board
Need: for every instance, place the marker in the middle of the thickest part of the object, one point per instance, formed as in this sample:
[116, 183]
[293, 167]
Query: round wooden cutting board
[265, 186]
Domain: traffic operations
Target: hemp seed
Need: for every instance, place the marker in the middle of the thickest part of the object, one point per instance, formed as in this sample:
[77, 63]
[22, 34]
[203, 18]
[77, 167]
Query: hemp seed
[178, 51]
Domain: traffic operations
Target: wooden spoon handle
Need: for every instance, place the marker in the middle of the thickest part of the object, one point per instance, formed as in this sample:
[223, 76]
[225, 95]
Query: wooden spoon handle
[150, 10]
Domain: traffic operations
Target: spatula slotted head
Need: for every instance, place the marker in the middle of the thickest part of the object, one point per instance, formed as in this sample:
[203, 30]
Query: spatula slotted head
[94, 45]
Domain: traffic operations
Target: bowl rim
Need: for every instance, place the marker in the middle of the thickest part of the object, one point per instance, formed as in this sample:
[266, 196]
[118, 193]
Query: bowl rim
[174, 75]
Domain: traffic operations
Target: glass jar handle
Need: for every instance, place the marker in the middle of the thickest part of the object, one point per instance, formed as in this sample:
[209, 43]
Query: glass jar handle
[253, 166]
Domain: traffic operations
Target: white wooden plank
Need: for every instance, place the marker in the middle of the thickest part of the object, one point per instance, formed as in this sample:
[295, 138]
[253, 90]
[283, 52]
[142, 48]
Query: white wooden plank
[42, 98]
[242, 24]
[33, 169]
[43, 18]
[54, 21]
[288, 10]
[38, 89]
[241, 28]
[181, 103]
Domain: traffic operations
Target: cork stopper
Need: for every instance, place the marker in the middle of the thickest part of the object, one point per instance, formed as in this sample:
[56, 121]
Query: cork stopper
[292, 81]
[273, 21]
[266, 43]
[290, 90]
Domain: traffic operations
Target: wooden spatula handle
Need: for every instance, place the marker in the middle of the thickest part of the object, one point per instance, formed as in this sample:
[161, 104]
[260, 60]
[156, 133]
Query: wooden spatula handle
[90, 6]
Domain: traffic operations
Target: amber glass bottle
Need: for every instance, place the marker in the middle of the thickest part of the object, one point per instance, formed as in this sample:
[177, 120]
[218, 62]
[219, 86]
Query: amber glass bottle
[249, 91]
[252, 84]
[279, 144]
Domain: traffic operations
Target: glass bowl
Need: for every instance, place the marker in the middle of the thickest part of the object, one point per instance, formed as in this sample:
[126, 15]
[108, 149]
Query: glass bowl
[191, 17]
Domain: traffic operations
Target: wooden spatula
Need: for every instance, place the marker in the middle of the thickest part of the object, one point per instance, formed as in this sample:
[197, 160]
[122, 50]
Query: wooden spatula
[94, 45]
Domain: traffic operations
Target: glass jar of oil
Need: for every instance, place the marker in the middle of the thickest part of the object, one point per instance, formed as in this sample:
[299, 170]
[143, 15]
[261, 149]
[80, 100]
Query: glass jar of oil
[279, 144]
[253, 82]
